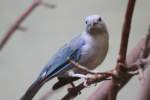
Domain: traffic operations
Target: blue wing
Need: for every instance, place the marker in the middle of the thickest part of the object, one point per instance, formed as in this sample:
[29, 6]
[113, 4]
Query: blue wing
[59, 63]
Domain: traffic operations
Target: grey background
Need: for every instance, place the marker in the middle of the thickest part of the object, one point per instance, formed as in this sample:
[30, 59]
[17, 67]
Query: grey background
[47, 29]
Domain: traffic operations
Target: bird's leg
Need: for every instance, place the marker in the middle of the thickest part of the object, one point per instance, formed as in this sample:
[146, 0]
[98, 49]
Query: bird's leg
[71, 86]
[82, 76]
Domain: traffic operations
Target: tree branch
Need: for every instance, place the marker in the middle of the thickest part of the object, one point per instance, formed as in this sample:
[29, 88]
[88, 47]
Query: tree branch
[20, 19]
[126, 31]
[102, 92]
[120, 69]
[145, 89]
[17, 23]
[93, 80]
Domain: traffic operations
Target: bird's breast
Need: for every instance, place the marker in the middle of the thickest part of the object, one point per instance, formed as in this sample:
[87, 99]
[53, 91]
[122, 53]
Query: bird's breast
[93, 53]
[92, 56]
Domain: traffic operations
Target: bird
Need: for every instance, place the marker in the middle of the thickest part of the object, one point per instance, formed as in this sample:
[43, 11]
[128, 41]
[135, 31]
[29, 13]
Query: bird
[88, 49]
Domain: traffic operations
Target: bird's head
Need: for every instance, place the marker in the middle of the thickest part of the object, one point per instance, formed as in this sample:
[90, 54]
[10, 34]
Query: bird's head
[95, 25]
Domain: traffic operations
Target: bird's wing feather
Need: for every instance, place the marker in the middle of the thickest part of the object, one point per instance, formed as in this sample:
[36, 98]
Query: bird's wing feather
[59, 63]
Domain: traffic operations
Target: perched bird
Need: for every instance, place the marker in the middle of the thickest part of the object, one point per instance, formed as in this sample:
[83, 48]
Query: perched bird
[88, 49]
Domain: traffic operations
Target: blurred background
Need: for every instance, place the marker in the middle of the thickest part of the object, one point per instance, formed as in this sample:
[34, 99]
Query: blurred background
[25, 54]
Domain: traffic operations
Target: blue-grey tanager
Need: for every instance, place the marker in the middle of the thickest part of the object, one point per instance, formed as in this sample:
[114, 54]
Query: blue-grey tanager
[88, 49]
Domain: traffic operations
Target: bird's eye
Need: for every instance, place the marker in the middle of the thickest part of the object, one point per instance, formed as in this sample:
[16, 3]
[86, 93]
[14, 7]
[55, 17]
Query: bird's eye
[99, 19]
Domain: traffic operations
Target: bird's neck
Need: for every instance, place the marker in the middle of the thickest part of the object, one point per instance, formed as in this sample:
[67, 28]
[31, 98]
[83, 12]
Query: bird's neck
[94, 32]
[97, 38]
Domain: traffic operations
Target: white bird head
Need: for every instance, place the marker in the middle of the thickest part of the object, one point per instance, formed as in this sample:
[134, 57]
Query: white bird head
[95, 25]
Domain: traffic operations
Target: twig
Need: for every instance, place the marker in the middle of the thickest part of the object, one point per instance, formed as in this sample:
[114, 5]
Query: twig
[109, 73]
[93, 80]
[23, 16]
[17, 23]
[81, 67]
